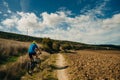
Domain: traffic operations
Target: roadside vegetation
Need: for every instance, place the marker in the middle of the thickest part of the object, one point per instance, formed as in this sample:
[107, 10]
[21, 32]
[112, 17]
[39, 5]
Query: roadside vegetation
[10, 50]
[13, 70]
[12, 59]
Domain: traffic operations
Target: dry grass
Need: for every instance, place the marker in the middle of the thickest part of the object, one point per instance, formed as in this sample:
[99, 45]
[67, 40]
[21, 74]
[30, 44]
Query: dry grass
[13, 71]
[10, 56]
[10, 50]
[13, 59]
[94, 65]
[10, 47]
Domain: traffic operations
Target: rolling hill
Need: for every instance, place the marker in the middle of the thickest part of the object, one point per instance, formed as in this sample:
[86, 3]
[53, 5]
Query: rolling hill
[73, 45]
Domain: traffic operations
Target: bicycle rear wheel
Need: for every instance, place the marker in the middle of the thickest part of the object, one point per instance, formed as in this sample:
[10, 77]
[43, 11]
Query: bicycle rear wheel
[38, 64]
[29, 70]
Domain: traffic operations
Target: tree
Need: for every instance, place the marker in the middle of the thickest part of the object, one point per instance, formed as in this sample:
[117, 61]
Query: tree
[56, 46]
[66, 46]
[47, 44]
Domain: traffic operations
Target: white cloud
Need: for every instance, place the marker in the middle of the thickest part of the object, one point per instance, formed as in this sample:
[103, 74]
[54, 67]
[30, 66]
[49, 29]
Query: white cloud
[7, 6]
[28, 21]
[5, 15]
[52, 19]
[10, 22]
[82, 28]
[1, 28]
[115, 20]
[9, 11]
[97, 10]
[0, 12]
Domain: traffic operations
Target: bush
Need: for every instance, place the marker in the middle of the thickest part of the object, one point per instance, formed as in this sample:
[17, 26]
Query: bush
[47, 44]
[56, 46]
[66, 46]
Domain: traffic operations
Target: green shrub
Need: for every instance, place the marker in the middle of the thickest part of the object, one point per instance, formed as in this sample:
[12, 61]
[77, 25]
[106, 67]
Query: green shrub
[47, 44]
[56, 46]
[66, 46]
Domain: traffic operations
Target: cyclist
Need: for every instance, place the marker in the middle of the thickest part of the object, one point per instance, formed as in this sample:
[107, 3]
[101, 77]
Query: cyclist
[32, 50]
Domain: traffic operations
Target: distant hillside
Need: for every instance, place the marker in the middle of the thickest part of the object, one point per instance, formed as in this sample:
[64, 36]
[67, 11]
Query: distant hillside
[64, 44]
[18, 37]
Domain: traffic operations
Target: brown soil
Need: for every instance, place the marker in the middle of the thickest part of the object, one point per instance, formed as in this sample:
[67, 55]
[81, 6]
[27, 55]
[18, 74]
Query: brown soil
[94, 65]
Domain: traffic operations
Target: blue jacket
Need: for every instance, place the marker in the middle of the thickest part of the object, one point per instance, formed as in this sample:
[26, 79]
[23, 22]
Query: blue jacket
[32, 48]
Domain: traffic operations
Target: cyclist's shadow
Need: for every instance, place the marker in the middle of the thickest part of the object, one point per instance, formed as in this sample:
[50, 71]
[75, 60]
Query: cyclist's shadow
[56, 67]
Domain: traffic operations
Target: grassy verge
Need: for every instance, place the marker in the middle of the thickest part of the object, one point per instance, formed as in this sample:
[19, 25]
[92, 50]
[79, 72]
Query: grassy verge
[8, 60]
[66, 57]
[13, 70]
[48, 68]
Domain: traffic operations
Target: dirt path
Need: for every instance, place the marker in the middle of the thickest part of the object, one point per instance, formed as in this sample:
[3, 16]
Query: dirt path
[61, 73]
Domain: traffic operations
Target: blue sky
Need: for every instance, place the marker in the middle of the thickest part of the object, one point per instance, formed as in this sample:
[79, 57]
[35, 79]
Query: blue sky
[86, 21]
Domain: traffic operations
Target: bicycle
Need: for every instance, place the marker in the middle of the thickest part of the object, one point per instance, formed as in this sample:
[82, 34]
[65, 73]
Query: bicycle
[32, 65]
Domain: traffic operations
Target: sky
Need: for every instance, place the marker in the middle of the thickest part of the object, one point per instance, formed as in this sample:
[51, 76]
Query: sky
[86, 21]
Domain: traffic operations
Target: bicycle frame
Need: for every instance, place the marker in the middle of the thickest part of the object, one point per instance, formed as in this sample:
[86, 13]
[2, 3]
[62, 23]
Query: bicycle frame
[32, 65]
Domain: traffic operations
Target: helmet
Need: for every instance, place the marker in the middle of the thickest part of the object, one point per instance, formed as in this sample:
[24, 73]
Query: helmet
[34, 42]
